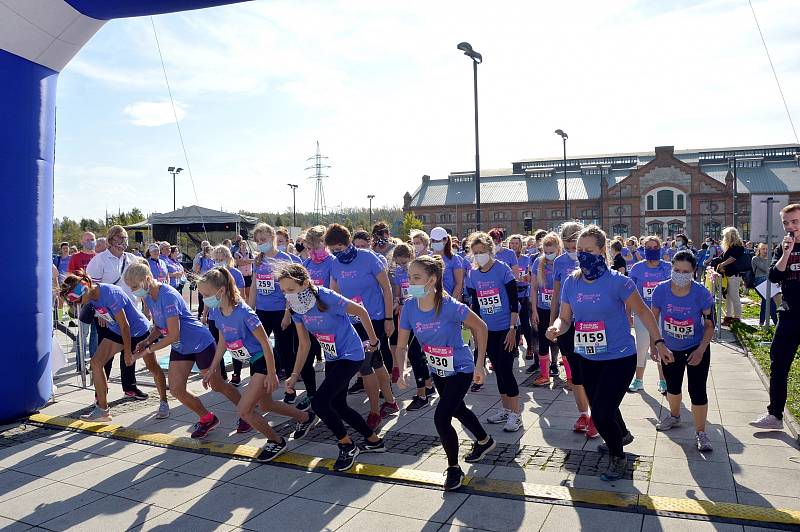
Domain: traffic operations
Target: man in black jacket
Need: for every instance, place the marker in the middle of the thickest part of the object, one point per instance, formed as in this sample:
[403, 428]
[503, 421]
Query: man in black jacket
[785, 269]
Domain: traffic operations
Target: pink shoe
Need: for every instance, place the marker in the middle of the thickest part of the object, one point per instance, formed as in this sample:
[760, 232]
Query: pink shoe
[582, 425]
[373, 420]
[591, 431]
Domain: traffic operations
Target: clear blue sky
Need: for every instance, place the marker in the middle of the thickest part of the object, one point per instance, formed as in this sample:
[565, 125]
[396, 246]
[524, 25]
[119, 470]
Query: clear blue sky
[383, 88]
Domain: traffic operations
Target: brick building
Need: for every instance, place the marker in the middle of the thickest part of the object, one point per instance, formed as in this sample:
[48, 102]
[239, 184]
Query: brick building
[664, 192]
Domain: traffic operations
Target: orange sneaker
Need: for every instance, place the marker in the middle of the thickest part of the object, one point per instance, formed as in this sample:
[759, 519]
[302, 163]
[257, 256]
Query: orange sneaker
[543, 380]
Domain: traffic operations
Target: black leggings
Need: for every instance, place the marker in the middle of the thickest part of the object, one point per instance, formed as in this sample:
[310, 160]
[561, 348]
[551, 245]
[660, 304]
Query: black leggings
[781, 355]
[606, 382]
[503, 362]
[696, 375]
[418, 363]
[525, 328]
[546, 347]
[330, 401]
[307, 372]
[284, 357]
[452, 391]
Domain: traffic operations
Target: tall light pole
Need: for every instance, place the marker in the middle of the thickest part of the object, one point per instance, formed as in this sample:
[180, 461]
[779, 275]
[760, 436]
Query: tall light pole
[294, 204]
[174, 171]
[564, 138]
[476, 60]
[370, 197]
[735, 192]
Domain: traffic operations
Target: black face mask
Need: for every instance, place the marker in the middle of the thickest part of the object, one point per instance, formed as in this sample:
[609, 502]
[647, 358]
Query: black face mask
[381, 241]
[299, 247]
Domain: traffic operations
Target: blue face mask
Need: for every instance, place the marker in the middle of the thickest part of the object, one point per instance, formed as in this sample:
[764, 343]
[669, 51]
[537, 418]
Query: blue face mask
[211, 301]
[437, 246]
[346, 255]
[90, 245]
[417, 291]
[592, 266]
[266, 247]
[652, 254]
[142, 292]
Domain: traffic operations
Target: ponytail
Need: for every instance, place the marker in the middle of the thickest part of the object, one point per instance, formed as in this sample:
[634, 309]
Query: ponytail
[74, 279]
[220, 277]
[299, 274]
[433, 266]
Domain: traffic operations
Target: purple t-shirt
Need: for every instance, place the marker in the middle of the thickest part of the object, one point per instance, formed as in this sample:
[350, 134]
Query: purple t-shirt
[206, 263]
[523, 288]
[440, 336]
[236, 331]
[172, 267]
[506, 255]
[681, 318]
[602, 331]
[358, 281]
[194, 337]
[320, 272]
[451, 264]
[333, 330]
[562, 267]
[268, 291]
[544, 297]
[112, 300]
[647, 278]
[490, 288]
[158, 267]
[238, 278]
[399, 277]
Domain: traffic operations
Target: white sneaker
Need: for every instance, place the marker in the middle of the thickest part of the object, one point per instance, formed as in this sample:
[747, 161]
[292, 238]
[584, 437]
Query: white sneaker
[767, 421]
[513, 423]
[97, 414]
[163, 410]
[498, 417]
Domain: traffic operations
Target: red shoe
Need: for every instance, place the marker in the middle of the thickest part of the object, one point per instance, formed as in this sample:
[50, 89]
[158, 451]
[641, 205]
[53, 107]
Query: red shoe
[243, 427]
[373, 420]
[387, 409]
[591, 431]
[395, 375]
[582, 425]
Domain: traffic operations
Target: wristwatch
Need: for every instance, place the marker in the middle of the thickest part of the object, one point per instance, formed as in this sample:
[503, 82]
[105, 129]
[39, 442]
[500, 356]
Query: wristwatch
[659, 341]
[388, 319]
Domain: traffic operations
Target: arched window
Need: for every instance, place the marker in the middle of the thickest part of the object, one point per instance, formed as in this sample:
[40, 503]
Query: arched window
[674, 228]
[712, 229]
[620, 229]
[666, 199]
[655, 228]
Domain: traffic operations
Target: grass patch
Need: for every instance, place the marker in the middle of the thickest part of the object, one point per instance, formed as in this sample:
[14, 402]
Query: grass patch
[751, 310]
[758, 341]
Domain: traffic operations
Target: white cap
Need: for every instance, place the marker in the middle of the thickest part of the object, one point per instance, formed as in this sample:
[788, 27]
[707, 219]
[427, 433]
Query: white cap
[438, 233]
[153, 246]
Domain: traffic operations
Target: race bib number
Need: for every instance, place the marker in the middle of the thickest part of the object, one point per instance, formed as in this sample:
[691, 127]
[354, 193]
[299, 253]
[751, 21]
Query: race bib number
[404, 289]
[647, 289]
[317, 282]
[440, 359]
[547, 296]
[238, 350]
[679, 329]
[489, 301]
[103, 315]
[328, 344]
[590, 337]
[360, 301]
[265, 283]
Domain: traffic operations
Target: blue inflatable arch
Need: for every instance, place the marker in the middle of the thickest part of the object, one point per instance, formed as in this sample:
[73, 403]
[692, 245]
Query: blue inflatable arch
[37, 40]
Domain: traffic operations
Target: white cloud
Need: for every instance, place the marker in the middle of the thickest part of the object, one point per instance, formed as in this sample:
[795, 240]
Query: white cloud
[152, 114]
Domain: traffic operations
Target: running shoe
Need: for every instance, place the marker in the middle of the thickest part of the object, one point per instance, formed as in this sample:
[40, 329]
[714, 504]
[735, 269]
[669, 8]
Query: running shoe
[418, 403]
[98, 414]
[236, 379]
[582, 424]
[626, 440]
[591, 430]
[662, 387]
[475, 387]
[304, 403]
[282, 375]
[531, 369]
[272, 450]
[202, 429]
[501, 416]
[373, 446]
[430, 392]
[373, 420]
[513, 423]
[243, 427]
[395, 375]
[616, 469]
[347, 456]
[529, 354]
[302, 427]
[636, 385]
[163, 410]
[767, 421]
[453, 478]
[479, 450]
[554, 371]
[542, 380]
[289, 398]
[137, 394]
[357, 387]
[703, 442]
[387, 409]
[668, 422]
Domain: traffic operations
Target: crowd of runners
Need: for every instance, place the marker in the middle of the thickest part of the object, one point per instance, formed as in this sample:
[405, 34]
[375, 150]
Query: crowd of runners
[437, 309]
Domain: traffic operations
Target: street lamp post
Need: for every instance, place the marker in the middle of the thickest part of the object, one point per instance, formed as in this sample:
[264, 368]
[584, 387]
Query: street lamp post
[294, 204]
[564, 138]
[476, 60]
[735, 193]
[370, 197]
[174, 171]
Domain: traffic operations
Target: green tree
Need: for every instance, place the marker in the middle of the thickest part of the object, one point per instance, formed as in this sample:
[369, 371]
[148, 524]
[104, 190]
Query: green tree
[410, 221]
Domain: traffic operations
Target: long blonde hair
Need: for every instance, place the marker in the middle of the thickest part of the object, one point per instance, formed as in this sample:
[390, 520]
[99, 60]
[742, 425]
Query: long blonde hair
[730, 238]
[548, 240]
[223, 252]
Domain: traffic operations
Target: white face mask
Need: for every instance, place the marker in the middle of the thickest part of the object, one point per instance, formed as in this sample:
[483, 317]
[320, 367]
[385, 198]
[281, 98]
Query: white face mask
[302, 301]
[682, 279]
[482, 259]
[573, 255]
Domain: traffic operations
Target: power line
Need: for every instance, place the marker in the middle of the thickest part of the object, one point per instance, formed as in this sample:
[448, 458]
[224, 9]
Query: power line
[178, 125]
[774, 73]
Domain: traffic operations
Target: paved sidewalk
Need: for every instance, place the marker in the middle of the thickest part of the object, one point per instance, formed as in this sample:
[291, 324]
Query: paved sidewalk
[59, 480]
